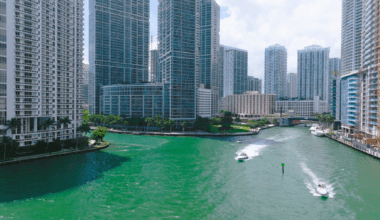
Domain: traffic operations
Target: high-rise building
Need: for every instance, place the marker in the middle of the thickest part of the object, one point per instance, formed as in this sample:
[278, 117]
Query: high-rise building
[85, 86]
[209, 41]
[292, 85]
[313, 73]
[234, 74]
[155, 74]
[351, 77]
[254, 84]
[351, 35]
[276, 59]
[41, 55]
[359, 81]
[119, 45]
[369, 65]
[178, 45]
[334, 87]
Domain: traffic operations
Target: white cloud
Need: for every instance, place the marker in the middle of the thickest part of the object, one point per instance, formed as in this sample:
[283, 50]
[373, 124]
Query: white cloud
[256, 24]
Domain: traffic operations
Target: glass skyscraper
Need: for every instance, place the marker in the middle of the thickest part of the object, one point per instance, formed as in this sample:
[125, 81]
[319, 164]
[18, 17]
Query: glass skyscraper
[234, 70]
[209, 36]
[118, 45]
[178, 45]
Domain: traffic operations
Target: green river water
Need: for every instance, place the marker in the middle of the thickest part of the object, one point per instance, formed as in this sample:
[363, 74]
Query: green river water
[142, 177]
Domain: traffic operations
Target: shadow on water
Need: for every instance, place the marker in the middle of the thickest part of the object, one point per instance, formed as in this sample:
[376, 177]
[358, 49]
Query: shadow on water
[38, 178]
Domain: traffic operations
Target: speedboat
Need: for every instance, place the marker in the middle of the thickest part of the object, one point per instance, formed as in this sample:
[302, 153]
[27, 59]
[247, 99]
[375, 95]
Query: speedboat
[239, 141]
[322, 190]
[242, 156]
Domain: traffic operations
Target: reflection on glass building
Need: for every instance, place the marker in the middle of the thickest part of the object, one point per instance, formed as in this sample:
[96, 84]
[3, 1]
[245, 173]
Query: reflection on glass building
[119, 45]
[334, 87]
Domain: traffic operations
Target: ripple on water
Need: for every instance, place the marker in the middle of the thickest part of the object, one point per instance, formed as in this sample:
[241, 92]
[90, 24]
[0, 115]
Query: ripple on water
[252, 150]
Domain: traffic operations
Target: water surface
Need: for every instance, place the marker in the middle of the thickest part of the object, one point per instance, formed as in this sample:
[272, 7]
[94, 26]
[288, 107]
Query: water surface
[143, 177]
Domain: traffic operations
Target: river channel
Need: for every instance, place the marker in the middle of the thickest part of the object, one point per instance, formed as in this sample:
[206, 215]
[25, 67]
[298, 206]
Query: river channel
[145, 177]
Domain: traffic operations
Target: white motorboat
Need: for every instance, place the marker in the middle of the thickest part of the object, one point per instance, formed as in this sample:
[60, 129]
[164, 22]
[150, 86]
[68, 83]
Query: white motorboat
[242, 156]
[318, 132]
[239, 141]
[313, 127]
[322, 190]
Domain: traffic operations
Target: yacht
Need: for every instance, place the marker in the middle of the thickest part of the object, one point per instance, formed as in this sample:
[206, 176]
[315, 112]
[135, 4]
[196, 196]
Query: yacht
[322, 190]
[318, 132]
[313, 127]
[242, 156]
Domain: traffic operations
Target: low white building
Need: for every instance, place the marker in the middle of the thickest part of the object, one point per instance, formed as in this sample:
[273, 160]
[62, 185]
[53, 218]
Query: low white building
[203, 102]
[250, 104]
[304, 108]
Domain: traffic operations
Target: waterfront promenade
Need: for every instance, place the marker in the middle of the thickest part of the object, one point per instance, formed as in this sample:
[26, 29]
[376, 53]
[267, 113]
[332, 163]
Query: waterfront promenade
[372, 151]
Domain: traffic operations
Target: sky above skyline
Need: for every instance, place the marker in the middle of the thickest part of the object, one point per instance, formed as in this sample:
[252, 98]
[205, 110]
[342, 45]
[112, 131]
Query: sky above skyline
[254, 25]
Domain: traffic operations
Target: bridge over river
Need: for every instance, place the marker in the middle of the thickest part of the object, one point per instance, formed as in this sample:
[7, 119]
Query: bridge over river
[287, 122]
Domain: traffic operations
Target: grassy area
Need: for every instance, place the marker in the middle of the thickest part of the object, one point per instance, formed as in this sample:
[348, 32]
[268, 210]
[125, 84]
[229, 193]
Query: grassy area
[236, 129]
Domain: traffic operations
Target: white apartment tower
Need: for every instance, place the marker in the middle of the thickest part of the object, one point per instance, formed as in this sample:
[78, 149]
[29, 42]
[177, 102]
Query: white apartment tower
[276, 58]
[313, 73]
[41, 67]
[351, 35]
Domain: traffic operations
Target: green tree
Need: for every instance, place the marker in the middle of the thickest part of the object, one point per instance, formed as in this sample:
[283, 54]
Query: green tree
[237, 119]
[274, 121]
[169, 123]
[99, 133]
[64, 121]
[117, 120]
[185, 125]
[86, 116]
[13, 124]
[46, 125]
[108, 120]
[227, 120]
[148, 122]
[9, 146]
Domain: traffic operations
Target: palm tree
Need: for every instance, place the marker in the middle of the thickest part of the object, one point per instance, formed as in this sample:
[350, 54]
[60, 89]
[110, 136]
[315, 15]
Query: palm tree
[84, 128]
[64, 121]
[13, 124]
[169, 123]
[47, 125]
[148, 122]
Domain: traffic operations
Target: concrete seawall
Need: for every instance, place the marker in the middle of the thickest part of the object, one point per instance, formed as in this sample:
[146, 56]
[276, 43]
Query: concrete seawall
[374, 152]
[187, 134]
[55, 154]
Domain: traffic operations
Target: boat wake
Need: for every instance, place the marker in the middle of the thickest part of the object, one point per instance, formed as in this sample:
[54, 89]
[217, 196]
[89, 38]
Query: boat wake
[313, 181]
[252, 151]
[281, 138]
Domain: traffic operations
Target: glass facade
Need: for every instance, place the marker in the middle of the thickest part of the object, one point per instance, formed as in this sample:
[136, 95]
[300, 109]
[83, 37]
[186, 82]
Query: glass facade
[138, 100]
[234, 75]
[178, 37]
[209, 41]
[118, 45]
[334, 87]
[351, 100]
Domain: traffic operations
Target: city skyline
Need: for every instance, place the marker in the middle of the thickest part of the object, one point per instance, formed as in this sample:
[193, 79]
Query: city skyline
[298, 35]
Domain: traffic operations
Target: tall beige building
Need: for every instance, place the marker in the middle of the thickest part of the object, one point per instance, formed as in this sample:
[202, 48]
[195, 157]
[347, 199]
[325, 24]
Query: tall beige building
[250, 104]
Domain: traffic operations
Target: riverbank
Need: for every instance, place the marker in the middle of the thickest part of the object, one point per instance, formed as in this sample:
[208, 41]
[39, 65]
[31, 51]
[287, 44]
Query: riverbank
[367, 149]
[51, 155]
[188, 134]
